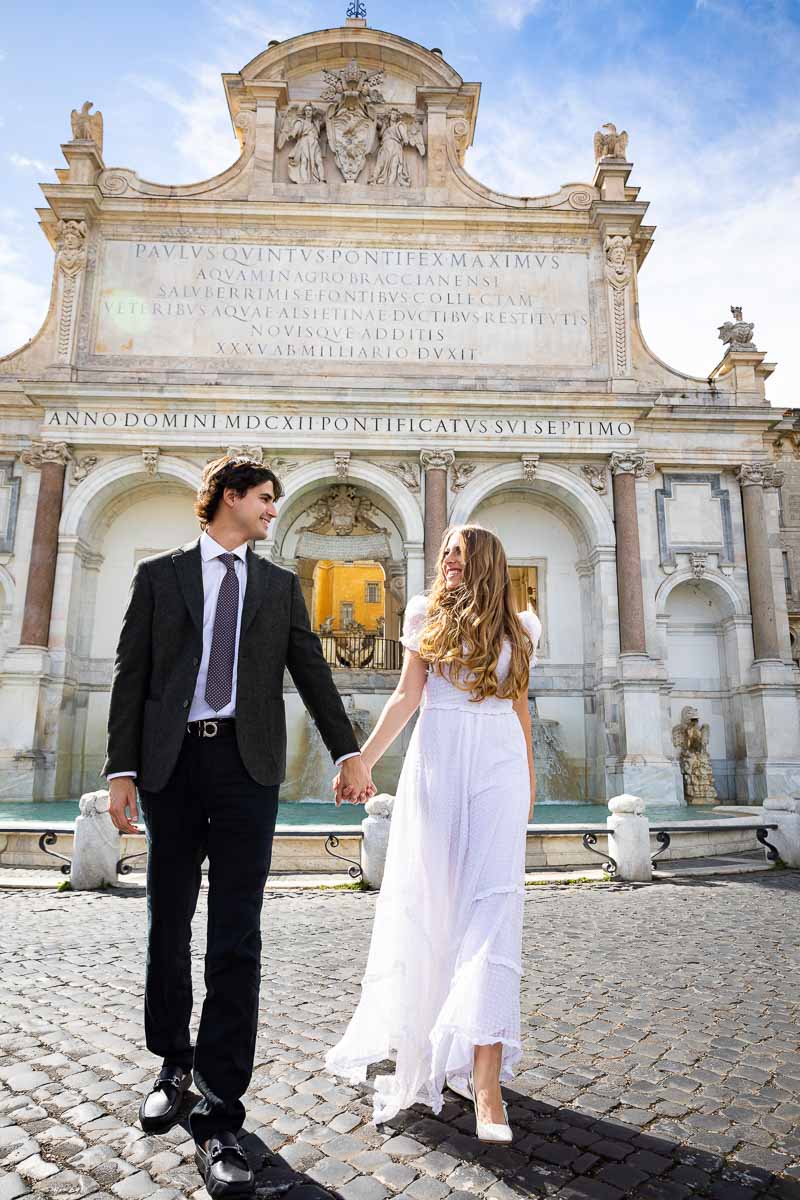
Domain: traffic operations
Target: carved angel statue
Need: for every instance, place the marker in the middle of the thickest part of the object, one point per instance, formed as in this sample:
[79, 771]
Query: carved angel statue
[395, 131]
[737, 334]
[305, 127]
[87, 126]
[691, 739]
[610, 144]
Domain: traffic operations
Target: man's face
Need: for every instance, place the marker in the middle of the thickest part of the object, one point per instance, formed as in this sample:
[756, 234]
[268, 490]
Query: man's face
[254, 510]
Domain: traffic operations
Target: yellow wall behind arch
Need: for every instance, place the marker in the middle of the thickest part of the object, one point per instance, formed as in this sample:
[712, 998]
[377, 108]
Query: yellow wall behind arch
[336, 584]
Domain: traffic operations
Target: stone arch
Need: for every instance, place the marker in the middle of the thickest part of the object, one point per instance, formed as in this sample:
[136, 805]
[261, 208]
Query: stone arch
[110, 480]
[738, 608]
[700, 620]
[578, 497]
[313, 475]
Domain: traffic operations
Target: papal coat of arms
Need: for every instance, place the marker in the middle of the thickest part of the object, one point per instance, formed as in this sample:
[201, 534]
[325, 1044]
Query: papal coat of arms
[351, 121]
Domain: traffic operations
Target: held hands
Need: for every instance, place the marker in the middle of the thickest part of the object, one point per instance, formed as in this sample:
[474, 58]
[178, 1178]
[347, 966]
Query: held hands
[122, 804]
[354, 782]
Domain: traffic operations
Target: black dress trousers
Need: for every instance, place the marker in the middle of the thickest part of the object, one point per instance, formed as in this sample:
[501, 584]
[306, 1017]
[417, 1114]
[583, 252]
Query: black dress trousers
[210, 808]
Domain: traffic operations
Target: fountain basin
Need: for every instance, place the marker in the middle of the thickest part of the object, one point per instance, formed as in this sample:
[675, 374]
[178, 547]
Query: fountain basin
[300, 848]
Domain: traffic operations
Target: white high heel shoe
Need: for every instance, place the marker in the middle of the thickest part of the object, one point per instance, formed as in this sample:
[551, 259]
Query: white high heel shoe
[487, 1131]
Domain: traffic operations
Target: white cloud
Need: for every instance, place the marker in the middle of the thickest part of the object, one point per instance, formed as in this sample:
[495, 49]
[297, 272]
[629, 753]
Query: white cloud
[27, 164]
[205, 140]
[23, 304]
[719, 212]
[512, 12]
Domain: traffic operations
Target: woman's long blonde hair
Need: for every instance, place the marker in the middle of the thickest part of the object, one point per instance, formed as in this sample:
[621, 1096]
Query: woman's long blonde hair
[466, 626]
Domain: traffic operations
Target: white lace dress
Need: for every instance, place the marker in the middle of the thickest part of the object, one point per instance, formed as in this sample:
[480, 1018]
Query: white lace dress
[443, 973]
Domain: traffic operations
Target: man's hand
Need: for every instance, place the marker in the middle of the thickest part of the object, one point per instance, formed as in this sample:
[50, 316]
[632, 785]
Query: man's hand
[354, 781]
[122, 804]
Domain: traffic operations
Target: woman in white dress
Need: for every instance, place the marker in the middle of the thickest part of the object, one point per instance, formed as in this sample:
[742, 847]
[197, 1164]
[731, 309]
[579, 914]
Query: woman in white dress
[441, 990]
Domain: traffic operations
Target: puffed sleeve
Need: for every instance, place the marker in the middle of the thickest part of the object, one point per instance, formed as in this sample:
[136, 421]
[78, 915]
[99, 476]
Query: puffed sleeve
[414, 619]
[533, 628]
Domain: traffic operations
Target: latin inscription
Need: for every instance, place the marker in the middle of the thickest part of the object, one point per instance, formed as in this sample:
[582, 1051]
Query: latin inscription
[251, 302]
[342, 423]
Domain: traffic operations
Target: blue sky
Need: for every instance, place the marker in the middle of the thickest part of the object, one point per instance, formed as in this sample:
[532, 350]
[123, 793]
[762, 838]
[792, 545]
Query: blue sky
[707, 89]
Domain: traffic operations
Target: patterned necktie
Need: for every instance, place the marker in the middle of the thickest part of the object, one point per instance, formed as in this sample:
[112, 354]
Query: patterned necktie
[219, 681]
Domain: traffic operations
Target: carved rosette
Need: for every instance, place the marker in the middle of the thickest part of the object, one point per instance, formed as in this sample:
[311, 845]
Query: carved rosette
[619, 272]
[631, 462]
[436, 460]
[70, 269]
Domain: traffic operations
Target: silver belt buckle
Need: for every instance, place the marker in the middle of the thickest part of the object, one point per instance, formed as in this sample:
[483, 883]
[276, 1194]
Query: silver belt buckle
[208, 729]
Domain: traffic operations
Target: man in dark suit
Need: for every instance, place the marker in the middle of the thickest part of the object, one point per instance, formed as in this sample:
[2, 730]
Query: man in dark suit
[196, 721]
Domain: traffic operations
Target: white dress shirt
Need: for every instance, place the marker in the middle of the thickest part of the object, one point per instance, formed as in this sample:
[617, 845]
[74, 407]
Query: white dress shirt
[213, 574]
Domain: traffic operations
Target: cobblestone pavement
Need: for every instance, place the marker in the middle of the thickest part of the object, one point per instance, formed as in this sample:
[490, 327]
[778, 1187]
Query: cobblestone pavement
[661, 1059]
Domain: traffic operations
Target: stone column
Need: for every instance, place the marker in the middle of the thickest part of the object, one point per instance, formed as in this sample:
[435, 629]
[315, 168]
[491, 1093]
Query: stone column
[52, 458]
[435, 464]
[625, 469]
[753, 478]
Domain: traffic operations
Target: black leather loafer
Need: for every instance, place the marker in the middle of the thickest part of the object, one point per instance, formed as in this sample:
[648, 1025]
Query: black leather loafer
[224, 1167]
[160, 1107]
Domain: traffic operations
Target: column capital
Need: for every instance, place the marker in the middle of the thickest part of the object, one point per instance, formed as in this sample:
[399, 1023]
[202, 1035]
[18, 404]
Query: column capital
[759, 474]
[40, 453]
[436, 460]
[631, 463]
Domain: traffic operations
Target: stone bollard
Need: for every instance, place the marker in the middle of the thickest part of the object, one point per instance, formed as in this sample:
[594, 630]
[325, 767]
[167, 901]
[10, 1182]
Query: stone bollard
[97, 845]
[629, 838]
[784, 811]
[376, 838]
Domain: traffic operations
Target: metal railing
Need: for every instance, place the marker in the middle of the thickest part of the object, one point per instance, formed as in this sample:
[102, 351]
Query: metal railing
[49, 837]
[361, 651]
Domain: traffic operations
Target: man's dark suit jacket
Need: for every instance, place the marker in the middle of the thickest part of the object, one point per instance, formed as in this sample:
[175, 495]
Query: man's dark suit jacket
[158, 657]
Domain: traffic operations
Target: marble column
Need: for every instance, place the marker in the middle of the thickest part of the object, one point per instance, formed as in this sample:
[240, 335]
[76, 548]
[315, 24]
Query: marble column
[625, 469]
[51, 458]
[753, 478]
[435, 464]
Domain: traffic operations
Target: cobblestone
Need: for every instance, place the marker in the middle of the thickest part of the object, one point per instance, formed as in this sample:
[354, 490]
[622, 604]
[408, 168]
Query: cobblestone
[640, 1075]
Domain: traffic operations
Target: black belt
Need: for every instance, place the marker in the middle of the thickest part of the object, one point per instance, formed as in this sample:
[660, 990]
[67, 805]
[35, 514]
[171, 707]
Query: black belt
[222, 727]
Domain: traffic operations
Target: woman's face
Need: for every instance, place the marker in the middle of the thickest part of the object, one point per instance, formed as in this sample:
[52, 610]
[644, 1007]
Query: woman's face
[453, 563]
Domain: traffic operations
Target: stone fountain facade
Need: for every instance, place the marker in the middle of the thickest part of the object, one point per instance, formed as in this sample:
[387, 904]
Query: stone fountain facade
[348, 303]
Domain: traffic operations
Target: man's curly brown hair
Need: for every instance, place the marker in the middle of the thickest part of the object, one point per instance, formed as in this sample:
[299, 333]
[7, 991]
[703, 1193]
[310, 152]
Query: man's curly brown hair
[238, 473]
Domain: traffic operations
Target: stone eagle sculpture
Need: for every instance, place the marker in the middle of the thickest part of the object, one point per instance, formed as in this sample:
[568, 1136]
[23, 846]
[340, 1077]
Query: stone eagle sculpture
[87, 126]
[610, 144]
[738, 333]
